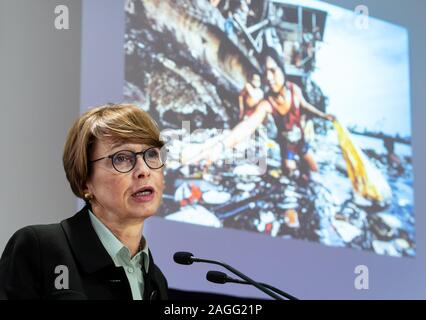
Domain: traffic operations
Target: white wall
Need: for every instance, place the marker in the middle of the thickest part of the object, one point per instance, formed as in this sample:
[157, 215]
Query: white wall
[39, 99]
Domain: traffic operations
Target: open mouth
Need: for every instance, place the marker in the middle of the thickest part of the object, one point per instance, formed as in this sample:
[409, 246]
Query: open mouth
[143, 192]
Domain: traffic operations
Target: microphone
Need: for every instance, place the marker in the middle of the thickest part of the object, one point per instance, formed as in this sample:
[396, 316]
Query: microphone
[221, 278]
[183, 257]
[187, 258]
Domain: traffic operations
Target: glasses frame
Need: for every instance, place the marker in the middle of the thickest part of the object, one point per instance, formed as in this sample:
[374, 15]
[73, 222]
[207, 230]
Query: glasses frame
[135, 155]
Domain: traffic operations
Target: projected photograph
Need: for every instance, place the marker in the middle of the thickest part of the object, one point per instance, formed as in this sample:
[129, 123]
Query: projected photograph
[286, 118]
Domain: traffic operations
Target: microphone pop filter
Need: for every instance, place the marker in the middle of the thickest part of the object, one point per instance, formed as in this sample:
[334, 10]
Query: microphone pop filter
[216, 277]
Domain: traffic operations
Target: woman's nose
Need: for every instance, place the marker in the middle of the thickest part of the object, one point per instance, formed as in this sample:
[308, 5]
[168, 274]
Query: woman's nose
[141, 168]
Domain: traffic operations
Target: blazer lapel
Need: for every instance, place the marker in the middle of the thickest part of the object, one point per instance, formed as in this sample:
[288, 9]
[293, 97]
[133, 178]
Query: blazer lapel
[85, 243]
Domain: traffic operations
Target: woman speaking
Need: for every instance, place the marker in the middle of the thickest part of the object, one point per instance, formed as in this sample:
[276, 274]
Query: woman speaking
[113, 159]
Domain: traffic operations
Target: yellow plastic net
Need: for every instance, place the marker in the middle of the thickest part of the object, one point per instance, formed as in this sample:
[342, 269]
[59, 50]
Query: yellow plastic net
[366, 179]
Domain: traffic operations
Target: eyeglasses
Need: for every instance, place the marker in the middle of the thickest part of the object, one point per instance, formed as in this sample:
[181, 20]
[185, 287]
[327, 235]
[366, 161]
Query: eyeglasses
[125, 160]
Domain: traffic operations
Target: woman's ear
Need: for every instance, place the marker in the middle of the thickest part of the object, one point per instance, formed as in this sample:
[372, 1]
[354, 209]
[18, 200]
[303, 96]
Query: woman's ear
[88, 192]
[88, 187]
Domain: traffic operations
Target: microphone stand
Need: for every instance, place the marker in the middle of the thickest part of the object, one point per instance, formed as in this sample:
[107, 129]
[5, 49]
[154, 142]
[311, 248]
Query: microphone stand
[231, 280]
[241, 275]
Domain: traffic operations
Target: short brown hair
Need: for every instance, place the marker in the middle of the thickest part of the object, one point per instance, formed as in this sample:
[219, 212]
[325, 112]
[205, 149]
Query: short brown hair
[117, 122]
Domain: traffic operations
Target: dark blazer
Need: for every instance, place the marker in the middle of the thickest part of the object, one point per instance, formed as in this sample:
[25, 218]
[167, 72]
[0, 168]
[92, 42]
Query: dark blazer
[27, 266]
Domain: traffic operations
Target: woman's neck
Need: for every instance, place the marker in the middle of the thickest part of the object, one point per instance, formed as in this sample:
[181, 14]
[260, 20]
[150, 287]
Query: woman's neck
[130, 236]
[128, 232]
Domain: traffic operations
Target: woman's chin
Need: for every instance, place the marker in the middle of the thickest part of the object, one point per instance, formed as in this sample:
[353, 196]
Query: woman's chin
[144, 209]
